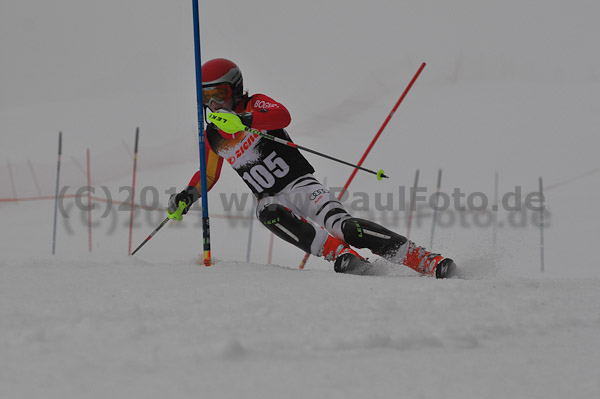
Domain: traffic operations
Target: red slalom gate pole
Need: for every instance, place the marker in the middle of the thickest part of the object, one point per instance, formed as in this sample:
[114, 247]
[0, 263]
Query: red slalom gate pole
[383, 126]
[135, 153]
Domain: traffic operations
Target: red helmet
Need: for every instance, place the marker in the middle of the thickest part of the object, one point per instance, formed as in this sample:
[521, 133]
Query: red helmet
[221, 71]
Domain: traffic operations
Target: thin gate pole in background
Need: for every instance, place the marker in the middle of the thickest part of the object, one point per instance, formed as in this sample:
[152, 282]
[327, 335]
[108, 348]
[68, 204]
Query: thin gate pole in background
[542, 208]
[35, 179]
[89, 195]
[135, 155]
[435, 209]
[413, 195]
[56, 194]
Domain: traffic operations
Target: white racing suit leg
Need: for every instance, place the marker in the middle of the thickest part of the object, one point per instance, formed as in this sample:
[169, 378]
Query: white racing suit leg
[305, 213]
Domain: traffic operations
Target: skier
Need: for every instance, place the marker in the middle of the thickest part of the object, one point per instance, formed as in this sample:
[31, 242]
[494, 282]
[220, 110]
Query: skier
[292, 203]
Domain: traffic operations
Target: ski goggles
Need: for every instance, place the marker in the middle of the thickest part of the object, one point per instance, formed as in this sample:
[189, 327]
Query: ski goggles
[218, 94]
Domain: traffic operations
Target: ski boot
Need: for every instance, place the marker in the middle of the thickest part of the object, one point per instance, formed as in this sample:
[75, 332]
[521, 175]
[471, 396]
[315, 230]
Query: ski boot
[428, 263]
[346, 259]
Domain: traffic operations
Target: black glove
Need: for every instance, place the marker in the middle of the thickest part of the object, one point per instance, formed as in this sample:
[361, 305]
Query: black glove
[189, 196]
[246, 118]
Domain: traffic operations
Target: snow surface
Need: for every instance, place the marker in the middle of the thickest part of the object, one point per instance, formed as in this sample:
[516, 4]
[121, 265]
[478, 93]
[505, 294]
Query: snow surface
[137, 328]
[510, 87]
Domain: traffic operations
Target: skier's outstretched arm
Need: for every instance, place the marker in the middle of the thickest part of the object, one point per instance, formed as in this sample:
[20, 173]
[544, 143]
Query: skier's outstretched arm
[191, 193]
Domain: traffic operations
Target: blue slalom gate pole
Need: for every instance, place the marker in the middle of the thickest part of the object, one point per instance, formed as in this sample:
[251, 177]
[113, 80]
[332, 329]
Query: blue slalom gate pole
[201, 142]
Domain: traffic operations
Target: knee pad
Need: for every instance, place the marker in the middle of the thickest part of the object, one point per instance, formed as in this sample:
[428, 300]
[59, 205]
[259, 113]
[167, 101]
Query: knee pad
[363, 233]
[287, 226]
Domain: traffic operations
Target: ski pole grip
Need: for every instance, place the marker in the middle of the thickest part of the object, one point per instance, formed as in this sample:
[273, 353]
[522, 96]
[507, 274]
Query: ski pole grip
[177, 215]
[226, 122]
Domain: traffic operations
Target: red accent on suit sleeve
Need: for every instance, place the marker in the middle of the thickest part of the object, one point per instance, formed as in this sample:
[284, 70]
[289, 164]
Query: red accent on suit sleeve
[214, 163]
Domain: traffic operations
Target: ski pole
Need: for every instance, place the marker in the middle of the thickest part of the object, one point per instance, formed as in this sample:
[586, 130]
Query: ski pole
[175, 215]
[231, 124]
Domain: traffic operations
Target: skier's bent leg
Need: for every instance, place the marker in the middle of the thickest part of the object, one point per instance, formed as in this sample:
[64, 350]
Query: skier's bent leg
[291, 228]
[363, 233]
[282, 222]
[394, 247]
